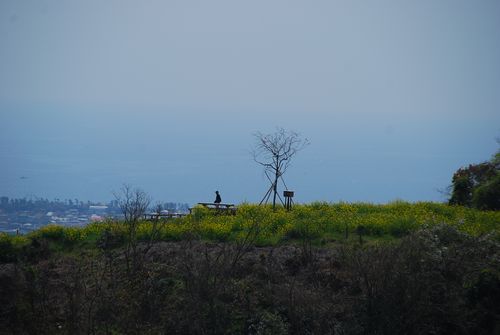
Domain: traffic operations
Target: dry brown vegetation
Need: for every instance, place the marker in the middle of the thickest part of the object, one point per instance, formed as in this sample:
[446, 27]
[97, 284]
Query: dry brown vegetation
[434, 281]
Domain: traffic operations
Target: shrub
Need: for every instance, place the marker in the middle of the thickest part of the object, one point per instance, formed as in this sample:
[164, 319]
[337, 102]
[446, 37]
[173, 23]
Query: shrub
[60, 234]
[402, 226]
[487, 196]
[110, 238]
[200, 212]
[51, 232]
[268, 323]
[8, 252]
[304, 231]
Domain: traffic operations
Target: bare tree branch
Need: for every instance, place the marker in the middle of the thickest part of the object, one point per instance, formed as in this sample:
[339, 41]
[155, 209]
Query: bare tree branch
[275, 151]
[133, 203]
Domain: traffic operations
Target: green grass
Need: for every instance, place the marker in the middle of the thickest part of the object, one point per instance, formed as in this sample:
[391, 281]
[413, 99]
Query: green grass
[319, 222]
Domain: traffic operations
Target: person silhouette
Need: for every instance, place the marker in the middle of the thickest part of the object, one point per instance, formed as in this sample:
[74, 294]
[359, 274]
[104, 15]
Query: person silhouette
[218, 199]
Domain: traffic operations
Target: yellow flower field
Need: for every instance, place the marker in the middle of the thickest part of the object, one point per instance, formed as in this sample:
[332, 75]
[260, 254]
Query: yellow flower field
[263, 226]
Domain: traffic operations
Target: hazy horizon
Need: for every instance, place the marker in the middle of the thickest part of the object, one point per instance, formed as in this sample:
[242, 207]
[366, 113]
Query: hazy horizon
[165, 95]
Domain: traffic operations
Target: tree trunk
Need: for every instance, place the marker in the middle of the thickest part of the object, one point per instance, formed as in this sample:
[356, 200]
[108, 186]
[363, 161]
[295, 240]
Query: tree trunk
[275, 188]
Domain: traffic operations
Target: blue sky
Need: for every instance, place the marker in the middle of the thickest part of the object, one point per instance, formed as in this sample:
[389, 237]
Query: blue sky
[394, 96]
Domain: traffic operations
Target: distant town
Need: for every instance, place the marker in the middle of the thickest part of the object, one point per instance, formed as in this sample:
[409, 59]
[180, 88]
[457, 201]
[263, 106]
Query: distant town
[20, 216]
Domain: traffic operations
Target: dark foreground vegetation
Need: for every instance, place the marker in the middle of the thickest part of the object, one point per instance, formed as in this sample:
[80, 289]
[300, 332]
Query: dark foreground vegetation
[196, 276]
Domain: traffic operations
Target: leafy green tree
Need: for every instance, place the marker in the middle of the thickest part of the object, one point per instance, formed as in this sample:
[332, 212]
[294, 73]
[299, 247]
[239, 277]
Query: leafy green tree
[478, 185]
[462, 188]
[487, 196]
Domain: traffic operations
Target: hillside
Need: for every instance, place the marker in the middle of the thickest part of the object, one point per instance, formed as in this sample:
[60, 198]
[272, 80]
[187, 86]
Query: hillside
[322, 268]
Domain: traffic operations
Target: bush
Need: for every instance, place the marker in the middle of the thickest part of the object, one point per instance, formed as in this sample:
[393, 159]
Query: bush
[268, 323]
[304, 231]
[487, 196]
[417, 285]
[402, 226]
[8, 253]
[51, 232]
[110, 239]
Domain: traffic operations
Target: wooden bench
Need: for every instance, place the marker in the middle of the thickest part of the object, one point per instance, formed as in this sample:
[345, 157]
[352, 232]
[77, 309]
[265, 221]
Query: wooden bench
[219, 208]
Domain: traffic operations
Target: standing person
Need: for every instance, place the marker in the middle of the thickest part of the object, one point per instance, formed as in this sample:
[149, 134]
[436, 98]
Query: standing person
[218, 199]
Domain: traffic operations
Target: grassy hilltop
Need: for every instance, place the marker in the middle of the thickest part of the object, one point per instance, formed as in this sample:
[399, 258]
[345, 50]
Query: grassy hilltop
[319, 222]
[321, 268]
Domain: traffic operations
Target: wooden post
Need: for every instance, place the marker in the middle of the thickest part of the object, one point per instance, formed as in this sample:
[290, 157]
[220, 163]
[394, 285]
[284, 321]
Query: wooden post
[288, 199]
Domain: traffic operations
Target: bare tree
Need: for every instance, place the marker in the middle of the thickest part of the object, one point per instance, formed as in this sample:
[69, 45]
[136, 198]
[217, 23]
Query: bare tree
[157, 225]
[274, 152]
[133, 203]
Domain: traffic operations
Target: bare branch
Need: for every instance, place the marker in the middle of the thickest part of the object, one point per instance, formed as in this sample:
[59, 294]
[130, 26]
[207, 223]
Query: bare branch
[132, 202]
[275, 151]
